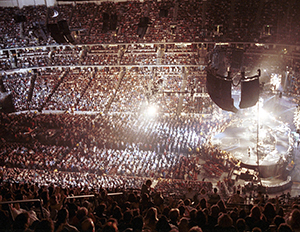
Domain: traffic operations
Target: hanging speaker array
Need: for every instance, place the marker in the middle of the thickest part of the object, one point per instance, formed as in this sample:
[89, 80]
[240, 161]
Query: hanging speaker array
[219, 90]
[60, 32]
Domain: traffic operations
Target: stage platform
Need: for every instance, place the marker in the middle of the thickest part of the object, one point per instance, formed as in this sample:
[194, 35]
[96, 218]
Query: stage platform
[260, 142]
[265, 144]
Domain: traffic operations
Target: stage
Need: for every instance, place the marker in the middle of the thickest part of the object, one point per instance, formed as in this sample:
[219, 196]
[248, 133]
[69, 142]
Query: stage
[259, 142]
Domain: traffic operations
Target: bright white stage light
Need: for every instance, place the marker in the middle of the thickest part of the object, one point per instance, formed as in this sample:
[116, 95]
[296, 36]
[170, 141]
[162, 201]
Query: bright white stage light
[275, 80]
[263, 115]
[151, 111]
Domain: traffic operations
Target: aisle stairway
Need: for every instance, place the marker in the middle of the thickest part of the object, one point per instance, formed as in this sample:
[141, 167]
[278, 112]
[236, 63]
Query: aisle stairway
[111, 100]
[183, 87]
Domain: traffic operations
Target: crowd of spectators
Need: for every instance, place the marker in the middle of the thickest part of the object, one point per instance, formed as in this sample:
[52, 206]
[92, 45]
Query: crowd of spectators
[142, 207]
[113, 145]
[88, 154]
[100, 91]
[98, 56]
[137, 83]
[185, 21]
[130, 90]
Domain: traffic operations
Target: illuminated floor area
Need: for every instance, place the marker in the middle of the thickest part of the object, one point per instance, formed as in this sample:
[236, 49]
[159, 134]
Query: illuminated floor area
[247, 132]
[275, 128]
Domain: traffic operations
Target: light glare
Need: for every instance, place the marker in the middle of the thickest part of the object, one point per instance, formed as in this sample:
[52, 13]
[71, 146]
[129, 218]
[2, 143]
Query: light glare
[151, 111]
